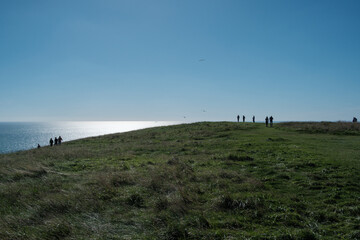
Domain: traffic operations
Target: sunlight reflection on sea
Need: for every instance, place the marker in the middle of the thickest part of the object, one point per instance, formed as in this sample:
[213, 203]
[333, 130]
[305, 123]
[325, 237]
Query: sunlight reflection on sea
[21, 136]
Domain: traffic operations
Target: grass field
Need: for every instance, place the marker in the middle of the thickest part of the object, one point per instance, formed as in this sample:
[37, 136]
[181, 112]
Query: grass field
[208, 180]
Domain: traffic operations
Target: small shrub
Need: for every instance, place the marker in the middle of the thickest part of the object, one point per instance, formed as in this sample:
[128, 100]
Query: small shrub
[136, 200]
[175, 231]
[283, 176]
[37, 173]
[306, 235]
[177, 206]
[173, 161]
[226, 202]
[121, 179]
[199, 222]
[162, 204]
[158, 180]
[323, 217]
[309, 164]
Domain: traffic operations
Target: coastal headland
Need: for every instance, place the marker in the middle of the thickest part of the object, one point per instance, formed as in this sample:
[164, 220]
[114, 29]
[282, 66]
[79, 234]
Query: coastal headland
[206, 180]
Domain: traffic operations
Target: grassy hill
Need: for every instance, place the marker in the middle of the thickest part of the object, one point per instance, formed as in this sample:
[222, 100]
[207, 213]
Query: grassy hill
[209, 180]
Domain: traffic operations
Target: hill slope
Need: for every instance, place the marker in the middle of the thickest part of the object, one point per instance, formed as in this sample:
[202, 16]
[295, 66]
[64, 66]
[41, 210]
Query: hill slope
[192, 181]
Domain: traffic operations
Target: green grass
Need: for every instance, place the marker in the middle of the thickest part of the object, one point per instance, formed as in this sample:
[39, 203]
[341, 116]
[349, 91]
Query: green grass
[339, 128]
[209, 180]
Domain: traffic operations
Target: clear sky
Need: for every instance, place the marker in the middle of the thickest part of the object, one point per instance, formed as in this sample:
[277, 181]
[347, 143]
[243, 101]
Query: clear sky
[170, 59]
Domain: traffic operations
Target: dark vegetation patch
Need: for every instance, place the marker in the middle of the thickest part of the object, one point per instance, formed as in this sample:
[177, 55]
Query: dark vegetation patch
[276, 139]
[283, 176]
[240, 158]
[136, 200]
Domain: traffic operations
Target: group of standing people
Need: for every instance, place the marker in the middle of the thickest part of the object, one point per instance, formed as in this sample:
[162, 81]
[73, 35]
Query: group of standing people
[267, 121]
[56, 142]
[253, 120]
[243, 118]
[52, 142]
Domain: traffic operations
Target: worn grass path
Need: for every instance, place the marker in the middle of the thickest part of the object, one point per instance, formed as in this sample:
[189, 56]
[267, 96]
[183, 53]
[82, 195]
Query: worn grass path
[209, 180]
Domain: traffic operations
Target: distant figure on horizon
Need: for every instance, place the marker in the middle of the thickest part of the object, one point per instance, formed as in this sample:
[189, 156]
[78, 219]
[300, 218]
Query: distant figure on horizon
[253, 119]
[59, 140]
[238, 118]
[243, 118]
[354, 120]
[271, 121]
[51, 142]
[38, 146]
[56, 141]
[266, 121]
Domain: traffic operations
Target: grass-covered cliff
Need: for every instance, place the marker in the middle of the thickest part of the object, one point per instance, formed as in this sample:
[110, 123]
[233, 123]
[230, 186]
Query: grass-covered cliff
[193, 181]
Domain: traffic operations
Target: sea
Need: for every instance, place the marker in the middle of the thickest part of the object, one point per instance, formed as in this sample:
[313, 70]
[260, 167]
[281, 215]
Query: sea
[17, 136]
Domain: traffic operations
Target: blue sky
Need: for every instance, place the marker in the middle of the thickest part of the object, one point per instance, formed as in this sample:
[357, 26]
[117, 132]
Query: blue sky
[170, 59]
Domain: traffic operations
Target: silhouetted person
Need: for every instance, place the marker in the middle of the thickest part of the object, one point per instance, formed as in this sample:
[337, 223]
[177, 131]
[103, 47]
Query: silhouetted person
[238, 118]
[51, 142]
[266, 121]
[271, 121]
[59, 140]
[354, 120]
[253, 119]
[56, 141]
[38, 146]
[243, 118]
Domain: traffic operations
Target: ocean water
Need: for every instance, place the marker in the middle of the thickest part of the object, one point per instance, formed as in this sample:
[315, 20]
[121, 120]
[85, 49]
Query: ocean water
[23, 136]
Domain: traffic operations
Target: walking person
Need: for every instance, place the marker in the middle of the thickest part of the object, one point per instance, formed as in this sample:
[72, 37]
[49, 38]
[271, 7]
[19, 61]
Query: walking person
[56, 141]
[354, 120]
[59, 140]
[253, 119]
[266, 121]
[238, 118]
[243, 118]
[51, 142]
[271, 121]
